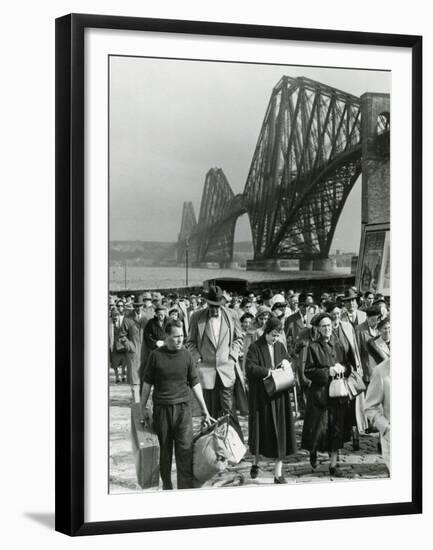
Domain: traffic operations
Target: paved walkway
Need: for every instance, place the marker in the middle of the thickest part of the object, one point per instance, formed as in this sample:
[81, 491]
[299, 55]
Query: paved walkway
[363, 464]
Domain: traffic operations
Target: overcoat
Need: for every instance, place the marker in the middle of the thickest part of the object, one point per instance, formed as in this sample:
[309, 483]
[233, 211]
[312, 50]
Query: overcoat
[152, 332]
[360, 317]
[212, 356]
[220, 357]
[359, 406]
[293, 327]
[132, 329]
[379, 351]
[363, 335]
[271, 427]
[325, 427]
[378, 405]
[117, 358]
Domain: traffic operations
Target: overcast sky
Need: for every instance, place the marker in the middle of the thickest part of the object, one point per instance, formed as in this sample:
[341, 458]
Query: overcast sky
[171, 120]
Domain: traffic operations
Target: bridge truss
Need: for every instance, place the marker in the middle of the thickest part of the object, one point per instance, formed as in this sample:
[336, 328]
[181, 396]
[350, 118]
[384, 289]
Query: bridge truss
[306, 161]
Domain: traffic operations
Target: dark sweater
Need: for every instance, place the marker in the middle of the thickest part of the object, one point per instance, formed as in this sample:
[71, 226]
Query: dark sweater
[172, 373]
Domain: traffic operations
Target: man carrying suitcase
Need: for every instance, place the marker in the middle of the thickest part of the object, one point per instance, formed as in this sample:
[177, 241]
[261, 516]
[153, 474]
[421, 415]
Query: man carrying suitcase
[172, 372]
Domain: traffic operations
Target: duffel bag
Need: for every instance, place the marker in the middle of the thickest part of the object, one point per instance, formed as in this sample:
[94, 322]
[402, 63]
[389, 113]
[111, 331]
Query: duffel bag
[216, 448]
[208, 457]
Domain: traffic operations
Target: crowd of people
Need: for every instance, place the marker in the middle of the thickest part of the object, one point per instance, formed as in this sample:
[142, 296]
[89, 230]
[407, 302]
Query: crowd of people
[210, 354]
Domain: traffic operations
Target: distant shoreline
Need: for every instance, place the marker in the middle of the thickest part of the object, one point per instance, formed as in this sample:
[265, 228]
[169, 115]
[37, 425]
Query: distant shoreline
[159, 278]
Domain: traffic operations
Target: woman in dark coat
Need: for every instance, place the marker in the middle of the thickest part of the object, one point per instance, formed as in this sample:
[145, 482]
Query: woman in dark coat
[325, 429]
[271, 428]
[346, 335]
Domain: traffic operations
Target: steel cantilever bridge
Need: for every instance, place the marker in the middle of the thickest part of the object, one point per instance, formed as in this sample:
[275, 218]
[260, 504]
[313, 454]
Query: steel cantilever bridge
[306, 161]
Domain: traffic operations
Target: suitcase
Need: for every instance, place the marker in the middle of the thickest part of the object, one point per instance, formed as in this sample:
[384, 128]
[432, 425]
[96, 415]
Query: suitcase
[145, 448]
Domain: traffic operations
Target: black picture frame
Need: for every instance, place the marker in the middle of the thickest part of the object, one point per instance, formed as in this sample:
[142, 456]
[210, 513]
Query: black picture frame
[70, 284]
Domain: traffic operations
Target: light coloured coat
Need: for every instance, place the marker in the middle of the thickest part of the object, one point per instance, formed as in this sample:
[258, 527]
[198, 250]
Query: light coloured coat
[349, 332]
[378, 405]
[212, 356]
[361, 316]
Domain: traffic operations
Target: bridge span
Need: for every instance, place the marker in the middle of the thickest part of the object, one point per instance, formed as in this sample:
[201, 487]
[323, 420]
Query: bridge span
[314, 143]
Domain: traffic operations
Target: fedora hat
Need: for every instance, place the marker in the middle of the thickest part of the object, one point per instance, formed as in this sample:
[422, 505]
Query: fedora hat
[261, 310]
[139, 301]
[349, 295]
[379, 299]
[215, 296]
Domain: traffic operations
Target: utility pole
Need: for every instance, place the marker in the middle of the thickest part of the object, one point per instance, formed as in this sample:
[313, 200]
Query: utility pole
[126, 276]
[186, 259]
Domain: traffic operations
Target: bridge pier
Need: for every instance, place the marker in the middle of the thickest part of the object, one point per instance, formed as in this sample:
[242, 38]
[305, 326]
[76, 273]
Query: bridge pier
[263, 265]
[209, 265]
[229, 265]
[305, 264]
[324, 264]
[318, 264]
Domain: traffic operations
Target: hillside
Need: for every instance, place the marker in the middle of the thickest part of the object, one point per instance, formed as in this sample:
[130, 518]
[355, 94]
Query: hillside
[151, 253]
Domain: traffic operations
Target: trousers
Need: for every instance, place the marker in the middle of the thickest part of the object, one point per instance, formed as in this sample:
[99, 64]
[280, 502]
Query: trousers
[219, 401]
[173, 426]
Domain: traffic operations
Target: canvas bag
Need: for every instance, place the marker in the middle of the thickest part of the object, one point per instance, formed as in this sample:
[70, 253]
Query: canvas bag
[216, 448]
[234, 446]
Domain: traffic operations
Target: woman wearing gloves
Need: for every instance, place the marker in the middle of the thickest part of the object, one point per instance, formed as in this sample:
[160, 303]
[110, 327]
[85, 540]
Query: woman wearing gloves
[271, 424]
[324, 427]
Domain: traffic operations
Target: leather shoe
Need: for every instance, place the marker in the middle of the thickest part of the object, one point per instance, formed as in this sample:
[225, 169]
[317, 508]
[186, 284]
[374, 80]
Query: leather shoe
[334, 472]
[280, 480]
[254, 472]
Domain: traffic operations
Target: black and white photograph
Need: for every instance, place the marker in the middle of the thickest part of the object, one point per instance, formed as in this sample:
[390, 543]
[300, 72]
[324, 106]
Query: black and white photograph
[217, 213]
[249, 307]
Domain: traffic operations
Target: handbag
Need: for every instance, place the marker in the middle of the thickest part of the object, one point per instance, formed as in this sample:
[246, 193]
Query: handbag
[279, 380]
[120, 346]
[338, 386]
[355, 384]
